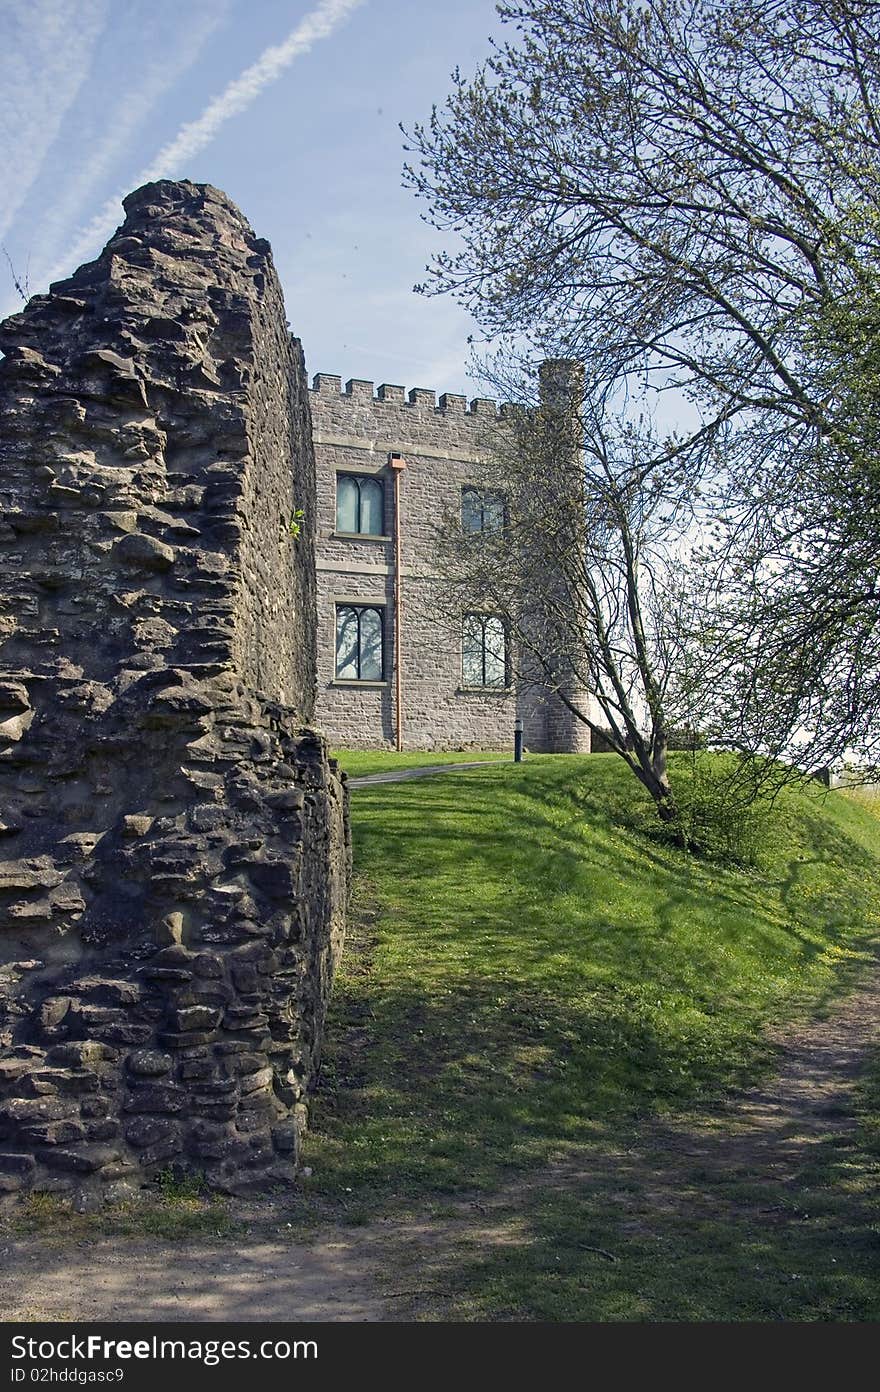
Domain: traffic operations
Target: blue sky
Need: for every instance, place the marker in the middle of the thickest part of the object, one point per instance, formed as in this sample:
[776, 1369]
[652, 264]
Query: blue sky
[291, 106]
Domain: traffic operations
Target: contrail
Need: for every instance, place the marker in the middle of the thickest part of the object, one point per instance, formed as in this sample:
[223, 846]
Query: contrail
[44, 64]
[145, 80]
[236, 97]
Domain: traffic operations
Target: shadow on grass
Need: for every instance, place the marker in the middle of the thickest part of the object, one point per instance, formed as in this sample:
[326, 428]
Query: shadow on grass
[596, 1252]
[539, 983]
[554, 883]
[779, 1221]
[452, 1091]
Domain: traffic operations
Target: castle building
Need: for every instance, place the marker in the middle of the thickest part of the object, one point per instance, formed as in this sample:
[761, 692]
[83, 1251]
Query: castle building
[395, 668]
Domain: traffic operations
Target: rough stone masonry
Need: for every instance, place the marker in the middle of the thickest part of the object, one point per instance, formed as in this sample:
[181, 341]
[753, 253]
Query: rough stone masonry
[173, 842]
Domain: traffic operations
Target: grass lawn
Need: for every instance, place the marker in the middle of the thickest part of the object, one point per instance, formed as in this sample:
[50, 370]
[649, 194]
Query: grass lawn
[868, 798]
[529, 978]
[357, 762]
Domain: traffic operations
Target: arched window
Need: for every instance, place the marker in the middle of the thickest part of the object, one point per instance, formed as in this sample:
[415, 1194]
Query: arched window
[360, 504]
[359, 644]
[484, 656]
[481, 511]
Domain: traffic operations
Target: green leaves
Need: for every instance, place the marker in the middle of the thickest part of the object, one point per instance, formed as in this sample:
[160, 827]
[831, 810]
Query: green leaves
[684, 195]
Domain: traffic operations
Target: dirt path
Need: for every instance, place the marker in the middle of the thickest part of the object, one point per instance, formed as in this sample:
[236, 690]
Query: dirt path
[392, 1270]
[146, 1279]
[768, 1132]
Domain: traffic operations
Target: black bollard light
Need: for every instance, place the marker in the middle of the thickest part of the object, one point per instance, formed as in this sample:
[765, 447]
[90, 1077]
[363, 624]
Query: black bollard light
[517, 741]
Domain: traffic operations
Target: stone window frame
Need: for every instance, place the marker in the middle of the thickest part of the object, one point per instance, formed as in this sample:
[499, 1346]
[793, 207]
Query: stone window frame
[496, 688]
[360, 603]
[358, 475]
[483, 493]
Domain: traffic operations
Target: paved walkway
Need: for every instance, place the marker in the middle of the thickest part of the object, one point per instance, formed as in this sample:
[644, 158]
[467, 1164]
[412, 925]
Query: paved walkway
[420, 771]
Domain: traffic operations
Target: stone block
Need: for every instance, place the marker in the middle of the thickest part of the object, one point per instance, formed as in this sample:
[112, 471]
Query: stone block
[144, 1131]
[155, 1099]
[149, 1063]
[82, 1159]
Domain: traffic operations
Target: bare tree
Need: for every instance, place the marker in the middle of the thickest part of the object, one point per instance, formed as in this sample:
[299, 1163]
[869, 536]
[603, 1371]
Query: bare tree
[21, 283]
[578, 559]
[685, 194]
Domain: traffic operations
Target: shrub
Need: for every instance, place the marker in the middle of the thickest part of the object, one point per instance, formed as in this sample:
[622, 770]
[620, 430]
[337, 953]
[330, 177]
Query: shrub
[722, 816]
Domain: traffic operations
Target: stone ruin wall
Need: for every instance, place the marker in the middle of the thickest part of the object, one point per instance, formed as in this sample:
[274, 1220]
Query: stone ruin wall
[173, 842]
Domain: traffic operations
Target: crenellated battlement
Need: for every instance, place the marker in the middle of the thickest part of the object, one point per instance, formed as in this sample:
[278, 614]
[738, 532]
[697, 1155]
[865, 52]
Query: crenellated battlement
[428, 452]
[329, 384]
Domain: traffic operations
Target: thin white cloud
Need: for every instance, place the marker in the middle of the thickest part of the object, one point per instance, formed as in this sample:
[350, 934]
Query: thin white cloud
[192, 137]
[45, 56]
[160, 63]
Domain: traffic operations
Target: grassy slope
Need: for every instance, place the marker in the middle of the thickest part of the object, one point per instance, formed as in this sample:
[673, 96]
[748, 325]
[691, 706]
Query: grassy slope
[529, 976]
[538, 972]
[357, 762]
